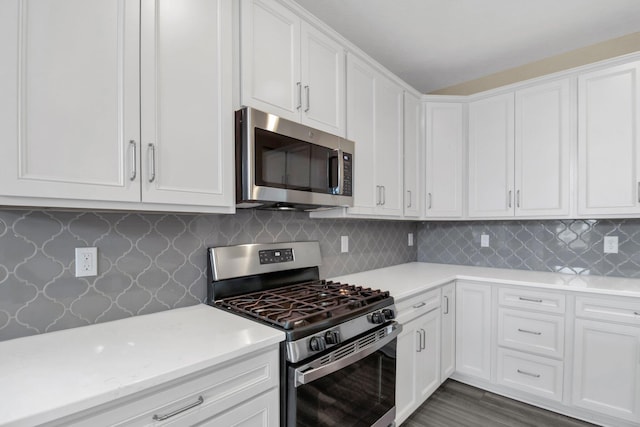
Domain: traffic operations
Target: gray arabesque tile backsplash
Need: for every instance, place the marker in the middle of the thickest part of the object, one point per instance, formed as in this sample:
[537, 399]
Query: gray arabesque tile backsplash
[154, 262]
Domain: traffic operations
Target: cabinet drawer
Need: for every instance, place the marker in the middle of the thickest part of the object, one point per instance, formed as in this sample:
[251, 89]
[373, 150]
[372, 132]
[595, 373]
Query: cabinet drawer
[206, 393]
[417, 305]
[535, 332]
[532, 374]
[532, 299]
[617, 310]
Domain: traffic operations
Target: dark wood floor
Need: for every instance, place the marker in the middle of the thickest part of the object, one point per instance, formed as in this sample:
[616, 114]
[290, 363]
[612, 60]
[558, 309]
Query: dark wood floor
[458, 405]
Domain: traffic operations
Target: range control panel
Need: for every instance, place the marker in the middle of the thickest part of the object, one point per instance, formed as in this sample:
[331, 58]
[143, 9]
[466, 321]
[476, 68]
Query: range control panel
[273, 256]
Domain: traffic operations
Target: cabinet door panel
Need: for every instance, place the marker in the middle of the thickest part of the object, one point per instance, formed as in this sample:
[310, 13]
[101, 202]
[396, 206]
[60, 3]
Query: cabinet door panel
[412, 150]
[491, 157]
[323, 79]
[608, 158]
[428, 359]
[185, 102]
[448, 342]
[473, 330]
[406, 379]
[270, 55]
[606, 372]
[543, 149]
[361, 85]
[68, 121]
[444, 142]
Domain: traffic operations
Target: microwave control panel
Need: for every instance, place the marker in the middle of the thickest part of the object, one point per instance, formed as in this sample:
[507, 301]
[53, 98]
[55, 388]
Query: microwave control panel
[347, 183]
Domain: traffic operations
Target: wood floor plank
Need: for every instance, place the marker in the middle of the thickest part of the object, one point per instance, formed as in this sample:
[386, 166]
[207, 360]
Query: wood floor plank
[455, 404]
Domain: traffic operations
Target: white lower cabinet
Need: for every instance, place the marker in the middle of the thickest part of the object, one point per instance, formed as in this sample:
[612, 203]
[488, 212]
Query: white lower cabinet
[473, 329]
[240, 393]
[606, 368]
[418, 353]
[537, 375]
[448, 338]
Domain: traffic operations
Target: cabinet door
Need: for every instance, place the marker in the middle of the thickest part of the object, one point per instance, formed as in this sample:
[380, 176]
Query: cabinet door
[388, 146]
[543, 147]
[473, 330]
[606, 371]
[448, 341]
[270, 58]
[608, 126]
[323, 81]
[186, 98]
[444, 162]
[409, 342]
[69, 99]
[361, 84]
[261, 411]
[412, 156]
[428, 358]
[491, 157]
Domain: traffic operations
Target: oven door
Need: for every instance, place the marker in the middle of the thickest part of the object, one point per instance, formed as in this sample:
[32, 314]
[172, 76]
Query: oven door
[352, 386]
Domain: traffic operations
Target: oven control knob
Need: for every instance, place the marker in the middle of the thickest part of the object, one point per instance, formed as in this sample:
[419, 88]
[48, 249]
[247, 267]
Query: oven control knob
[388, 314]
[377, 317]
[317, 344]
[332, 337]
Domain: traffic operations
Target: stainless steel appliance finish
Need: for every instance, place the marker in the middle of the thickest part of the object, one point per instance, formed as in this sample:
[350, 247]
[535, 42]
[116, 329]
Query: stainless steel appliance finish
[339, 337]
[281, 164]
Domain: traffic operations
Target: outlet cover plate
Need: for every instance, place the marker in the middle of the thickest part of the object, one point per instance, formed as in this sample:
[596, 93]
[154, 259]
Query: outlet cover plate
[610, 244]
[86, 262]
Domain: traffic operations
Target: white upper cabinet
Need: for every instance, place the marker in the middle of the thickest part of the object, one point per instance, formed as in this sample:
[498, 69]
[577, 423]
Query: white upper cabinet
[491, 148]
[412, 152]
[520, 149]
[543, 149]
[608, 155]
[289, 68]
[374, 109]
[87, 89]
[186, 131]
[444, 160]
[69, 103]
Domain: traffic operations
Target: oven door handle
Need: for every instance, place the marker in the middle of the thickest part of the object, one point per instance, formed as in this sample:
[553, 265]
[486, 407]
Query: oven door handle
[305, 376]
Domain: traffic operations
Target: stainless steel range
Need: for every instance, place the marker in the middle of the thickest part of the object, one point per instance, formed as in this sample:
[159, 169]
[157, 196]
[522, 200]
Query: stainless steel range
[338, 361]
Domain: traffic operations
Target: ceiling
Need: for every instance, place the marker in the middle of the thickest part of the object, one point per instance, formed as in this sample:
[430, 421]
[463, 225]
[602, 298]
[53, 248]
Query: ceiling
[434, 44]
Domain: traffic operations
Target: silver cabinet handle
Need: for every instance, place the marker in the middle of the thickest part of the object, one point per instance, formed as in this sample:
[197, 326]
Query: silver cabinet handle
[529, 299]
[409, 194]
[306, 92]
[384, 195]
[152, 162]
[429, 194]
[419, 341]
[639, 192]
[299, 86]
[420, 304]
[529, 332]
[134, 160]
[424, 339]
[509, 197]
[528, 373]
[198, 402]
[377, 195]
[446, 304]
[518, 198]
[636, 313]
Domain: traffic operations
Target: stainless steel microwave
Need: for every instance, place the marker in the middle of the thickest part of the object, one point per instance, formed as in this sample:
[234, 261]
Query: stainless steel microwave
[281, 164]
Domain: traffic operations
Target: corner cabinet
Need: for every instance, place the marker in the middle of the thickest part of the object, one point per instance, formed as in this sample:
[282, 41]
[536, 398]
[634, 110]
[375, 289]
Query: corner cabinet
[473, 330]
[608, 141]
[76, 98]
[520, 147]
[412, 155]
[375, 114]
[444, 145]
[290, 68]
[448, 339]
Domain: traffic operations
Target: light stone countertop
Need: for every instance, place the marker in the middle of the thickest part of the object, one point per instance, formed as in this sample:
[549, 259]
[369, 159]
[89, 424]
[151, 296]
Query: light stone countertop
[52, 375]
[406, 280]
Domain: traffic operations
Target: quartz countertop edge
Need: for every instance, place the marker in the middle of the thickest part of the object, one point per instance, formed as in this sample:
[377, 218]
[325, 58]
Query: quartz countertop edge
[406, 280]
[53, 375]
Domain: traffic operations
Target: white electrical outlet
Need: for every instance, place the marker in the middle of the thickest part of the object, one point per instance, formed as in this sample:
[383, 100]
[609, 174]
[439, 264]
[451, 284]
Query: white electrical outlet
[484, 240]
[410, 239]
[86, 262]
[610, 244]
[344, 244]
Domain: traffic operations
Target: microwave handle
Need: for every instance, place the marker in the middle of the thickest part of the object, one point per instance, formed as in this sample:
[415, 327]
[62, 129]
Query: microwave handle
[340, 172]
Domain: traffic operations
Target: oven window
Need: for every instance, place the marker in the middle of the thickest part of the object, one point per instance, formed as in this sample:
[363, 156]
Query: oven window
[284, 162]
[354, 396]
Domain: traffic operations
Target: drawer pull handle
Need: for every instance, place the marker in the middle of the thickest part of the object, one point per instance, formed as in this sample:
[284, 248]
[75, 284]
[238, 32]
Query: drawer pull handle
[636, 313]
[198, 402]
[446, 300]
[529, 332]
[528, 373]
[422, 304]
[529, 299]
